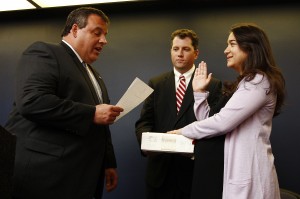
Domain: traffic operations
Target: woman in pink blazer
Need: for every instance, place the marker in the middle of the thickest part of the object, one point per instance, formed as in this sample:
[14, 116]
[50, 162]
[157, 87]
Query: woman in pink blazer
[257, 96]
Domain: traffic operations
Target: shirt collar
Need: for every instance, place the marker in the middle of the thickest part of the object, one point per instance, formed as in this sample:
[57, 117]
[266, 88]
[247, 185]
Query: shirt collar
[73, 51]
[187, 74]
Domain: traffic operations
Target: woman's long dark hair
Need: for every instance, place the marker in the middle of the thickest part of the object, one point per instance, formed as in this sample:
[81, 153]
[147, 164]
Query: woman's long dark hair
[254, 41]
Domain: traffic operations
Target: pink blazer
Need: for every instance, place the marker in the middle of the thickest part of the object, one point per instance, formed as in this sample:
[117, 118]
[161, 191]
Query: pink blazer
[249, 171]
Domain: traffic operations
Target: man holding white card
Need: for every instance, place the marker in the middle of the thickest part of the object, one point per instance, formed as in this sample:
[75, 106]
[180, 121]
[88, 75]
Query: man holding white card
[170, 175]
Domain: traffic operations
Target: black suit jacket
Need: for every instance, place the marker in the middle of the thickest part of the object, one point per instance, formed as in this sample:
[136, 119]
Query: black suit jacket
[159, 115]
[60, 152]
[7, 157]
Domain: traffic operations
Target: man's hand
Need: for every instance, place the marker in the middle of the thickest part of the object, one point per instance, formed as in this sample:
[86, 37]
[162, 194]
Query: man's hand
[178, 131]
[106, 114]
[111, 179]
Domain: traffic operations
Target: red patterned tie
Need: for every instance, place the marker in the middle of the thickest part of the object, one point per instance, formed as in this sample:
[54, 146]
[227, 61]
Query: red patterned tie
[180, 92]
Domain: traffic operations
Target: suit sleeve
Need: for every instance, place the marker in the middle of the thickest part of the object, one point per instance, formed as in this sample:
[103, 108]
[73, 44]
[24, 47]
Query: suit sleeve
[38, 78]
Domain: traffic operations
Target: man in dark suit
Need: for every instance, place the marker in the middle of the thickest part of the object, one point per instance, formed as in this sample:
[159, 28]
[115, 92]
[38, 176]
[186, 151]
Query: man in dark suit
[7, 157]
[61, 115]
[170, 175]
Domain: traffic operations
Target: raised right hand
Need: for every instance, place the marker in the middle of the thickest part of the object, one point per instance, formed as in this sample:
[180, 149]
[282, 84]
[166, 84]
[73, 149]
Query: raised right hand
[201, 79]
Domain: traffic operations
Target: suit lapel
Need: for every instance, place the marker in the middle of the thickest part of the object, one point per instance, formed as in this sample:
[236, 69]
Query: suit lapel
[101, 84]
[89, 82]
[171, 98]
[81, 68]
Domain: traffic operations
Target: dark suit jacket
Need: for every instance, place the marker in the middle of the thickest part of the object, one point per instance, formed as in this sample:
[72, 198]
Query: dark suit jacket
[60, 152]
[159, 115]
[7, 157]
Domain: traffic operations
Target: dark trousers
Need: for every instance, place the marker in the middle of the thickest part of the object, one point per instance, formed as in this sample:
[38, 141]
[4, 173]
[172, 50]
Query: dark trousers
[7, 157]
[208, 169]
[169, 189]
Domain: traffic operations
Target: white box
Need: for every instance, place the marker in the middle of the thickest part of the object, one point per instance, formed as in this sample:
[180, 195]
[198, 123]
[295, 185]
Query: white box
[164, 142]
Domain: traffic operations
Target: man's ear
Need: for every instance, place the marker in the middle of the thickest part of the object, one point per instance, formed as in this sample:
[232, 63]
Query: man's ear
[74, 30]
[196, 53]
